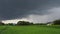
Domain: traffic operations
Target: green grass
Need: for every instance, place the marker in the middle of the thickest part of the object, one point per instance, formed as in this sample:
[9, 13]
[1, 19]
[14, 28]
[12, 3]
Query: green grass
[33, 29]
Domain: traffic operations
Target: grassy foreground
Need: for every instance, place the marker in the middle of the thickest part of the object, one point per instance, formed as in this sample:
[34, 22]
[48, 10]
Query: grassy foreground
[33, 29]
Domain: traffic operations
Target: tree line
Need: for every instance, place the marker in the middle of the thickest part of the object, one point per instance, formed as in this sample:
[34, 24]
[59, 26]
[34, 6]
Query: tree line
[56, 22]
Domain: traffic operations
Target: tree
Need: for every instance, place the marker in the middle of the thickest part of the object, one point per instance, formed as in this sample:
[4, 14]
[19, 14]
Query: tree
[10, 23]
[56, 22]
[40, 24]
[31, 23]
[23, 23]
[1, 23]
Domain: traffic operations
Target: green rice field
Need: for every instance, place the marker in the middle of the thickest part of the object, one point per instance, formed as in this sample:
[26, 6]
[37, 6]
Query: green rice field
[32, 29]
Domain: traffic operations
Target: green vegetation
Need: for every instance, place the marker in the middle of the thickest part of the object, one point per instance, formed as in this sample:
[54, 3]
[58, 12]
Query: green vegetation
[25, 27]
[56, 22]
[31, 29]
[24, 23]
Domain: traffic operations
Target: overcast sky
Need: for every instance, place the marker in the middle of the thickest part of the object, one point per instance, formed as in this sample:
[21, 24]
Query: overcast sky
[32, 10]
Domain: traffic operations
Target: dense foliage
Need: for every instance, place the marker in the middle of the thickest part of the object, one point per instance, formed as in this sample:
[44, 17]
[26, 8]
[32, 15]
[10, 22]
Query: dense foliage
[23, 23]
[1, 23]
[56, 22]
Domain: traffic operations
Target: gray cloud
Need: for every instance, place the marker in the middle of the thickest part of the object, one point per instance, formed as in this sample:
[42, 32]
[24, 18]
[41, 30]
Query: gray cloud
[12, 9]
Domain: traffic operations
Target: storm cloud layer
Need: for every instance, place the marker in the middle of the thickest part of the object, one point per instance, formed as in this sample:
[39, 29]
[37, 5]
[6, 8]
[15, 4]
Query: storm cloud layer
[12, 9]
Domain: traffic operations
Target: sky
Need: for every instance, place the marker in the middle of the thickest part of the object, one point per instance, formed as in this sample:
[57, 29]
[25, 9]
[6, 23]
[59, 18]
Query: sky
[37, 11]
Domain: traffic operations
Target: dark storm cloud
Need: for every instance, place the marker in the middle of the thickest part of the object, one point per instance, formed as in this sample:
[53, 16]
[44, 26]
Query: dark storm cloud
[11, 9]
